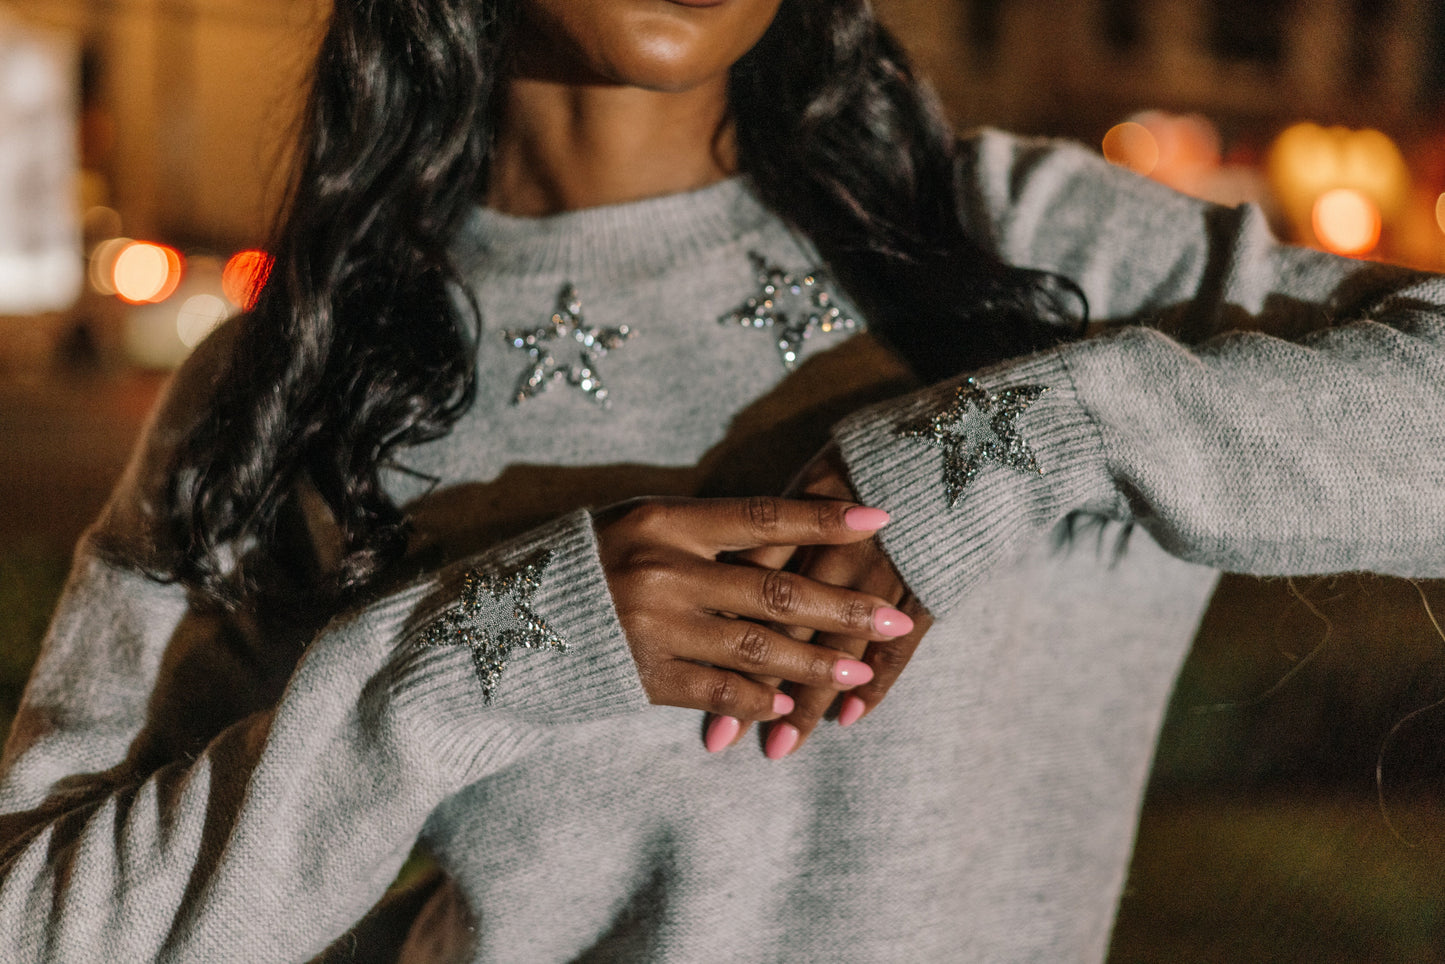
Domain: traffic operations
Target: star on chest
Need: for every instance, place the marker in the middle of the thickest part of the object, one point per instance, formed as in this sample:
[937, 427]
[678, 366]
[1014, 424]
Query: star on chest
[791, 308]
[566, 349]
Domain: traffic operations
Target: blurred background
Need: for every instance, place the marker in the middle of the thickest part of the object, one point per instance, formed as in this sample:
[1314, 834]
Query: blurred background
[1295, 811]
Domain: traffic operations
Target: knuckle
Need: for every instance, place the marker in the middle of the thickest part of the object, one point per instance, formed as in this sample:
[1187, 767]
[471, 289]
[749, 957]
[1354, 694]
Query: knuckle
[827, 515]
[857, 615]
[649, 518]
[779, 593]
[649, 574]
[722, 692]
[762, 513]
[820, 670]
[752, 646]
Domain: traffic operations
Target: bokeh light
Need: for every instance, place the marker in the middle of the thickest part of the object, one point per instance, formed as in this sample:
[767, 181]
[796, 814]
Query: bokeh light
[1440, 212]
[102, 264]
[1346, 221]
[1187, 146]
[198, 317]
[1132, 145]
[244, 276]
[1308, 161]
[101, 222]
[146, 273]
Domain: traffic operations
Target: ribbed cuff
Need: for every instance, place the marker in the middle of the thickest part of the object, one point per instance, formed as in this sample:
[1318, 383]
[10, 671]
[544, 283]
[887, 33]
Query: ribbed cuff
[942, 551]
[591, 676]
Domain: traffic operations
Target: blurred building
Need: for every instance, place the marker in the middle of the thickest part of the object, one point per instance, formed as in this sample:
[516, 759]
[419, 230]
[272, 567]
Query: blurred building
[186, 107]
[1075, 67]
[40, 264]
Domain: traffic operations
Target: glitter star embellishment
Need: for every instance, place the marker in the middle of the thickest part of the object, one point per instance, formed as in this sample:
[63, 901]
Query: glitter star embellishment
[493, 617]
[577, 344]
[791, 308]
[976, 428]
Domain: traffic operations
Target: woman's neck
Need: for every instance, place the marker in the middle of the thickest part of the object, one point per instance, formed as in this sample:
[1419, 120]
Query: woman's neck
[564, 146]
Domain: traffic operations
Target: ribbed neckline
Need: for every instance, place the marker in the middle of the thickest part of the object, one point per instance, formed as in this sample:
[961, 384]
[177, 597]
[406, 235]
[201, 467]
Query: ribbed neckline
[636, 238]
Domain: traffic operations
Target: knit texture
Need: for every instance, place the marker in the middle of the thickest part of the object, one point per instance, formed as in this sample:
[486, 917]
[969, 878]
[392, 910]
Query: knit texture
[183, 787]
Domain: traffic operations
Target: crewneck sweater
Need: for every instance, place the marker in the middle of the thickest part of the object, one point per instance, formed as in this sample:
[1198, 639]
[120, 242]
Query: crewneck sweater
[182, 787]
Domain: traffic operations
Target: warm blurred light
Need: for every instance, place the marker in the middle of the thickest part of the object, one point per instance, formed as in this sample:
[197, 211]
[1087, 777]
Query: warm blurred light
[1187, 147]
[1133, 146]
[102, 264]
[244, 276]
[1440, 211]
[146, 273]
[199, 316]
[1346, 221]
[1307, 161]
[101, 222]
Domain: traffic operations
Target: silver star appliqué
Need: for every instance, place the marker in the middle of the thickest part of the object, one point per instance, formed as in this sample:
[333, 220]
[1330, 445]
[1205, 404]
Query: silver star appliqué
[565, 334]
[791, 308]
[494, 616]
[976, 428]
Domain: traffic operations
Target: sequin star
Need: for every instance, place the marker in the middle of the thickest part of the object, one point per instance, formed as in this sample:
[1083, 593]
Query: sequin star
[493, 616]
[976, 428]
[565, 333]
[791, 308]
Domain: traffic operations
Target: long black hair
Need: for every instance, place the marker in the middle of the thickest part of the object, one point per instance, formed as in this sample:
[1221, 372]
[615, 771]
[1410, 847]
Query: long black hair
[359, 342]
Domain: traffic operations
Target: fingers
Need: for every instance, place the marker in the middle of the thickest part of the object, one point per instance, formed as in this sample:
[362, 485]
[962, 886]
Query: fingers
[862, 565]
[711, 526]
[887, 659]
[790, 599]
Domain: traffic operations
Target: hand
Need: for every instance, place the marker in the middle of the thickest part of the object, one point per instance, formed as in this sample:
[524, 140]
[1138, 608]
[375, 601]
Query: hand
[862, 566]
[697, 624]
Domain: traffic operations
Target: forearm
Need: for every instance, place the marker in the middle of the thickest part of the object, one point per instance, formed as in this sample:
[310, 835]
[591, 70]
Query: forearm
[292, 821]
[1248, 453]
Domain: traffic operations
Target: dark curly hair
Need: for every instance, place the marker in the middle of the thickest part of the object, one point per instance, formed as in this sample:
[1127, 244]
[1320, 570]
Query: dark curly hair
[359, 342]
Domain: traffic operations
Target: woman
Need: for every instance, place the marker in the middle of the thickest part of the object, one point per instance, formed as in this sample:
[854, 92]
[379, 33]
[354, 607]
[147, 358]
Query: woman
[187, 781]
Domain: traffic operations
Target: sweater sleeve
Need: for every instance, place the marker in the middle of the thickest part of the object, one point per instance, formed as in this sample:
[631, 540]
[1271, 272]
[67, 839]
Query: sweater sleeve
[288, 824]
[1302, 433]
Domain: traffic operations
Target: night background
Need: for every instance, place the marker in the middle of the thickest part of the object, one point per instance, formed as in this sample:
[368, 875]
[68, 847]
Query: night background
[1296, 809]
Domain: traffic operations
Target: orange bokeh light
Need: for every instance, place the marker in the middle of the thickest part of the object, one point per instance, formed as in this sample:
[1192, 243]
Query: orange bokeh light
[1346, 221]
[244, 276]
[146, 273]
[1133, 146]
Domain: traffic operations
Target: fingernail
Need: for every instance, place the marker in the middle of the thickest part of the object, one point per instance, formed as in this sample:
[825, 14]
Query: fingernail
[782, 704]
[851, 711]
[850, 672]
[863, 519]
[782, 738]
[721, 732]
[891, 622]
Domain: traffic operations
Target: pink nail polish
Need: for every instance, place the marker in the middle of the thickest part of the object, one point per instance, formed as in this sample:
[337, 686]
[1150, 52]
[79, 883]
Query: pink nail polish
[863, 519]
[850, 672]
[782, 738]
[891, 622]
[851, 711]
[782, 704]
[721, 732]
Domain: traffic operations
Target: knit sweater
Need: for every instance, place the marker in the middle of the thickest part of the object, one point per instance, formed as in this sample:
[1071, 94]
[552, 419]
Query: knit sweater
[180, 787]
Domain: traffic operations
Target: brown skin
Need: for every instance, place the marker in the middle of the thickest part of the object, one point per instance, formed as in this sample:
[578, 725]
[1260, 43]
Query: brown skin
[861, 565]
[619, 100]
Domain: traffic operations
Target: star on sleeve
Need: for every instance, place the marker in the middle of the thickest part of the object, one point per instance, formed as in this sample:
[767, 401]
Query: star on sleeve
[977, 427]
[493, 617]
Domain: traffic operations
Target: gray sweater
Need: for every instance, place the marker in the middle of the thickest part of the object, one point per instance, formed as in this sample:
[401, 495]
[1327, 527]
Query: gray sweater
[178, 787]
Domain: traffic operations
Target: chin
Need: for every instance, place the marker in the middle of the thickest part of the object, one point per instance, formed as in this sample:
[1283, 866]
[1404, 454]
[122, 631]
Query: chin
[652, 44]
